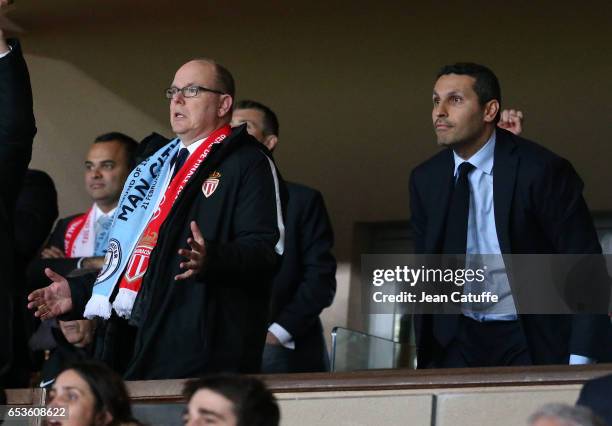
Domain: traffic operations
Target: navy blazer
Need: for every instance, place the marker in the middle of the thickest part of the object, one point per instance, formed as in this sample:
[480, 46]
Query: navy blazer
[539, 209]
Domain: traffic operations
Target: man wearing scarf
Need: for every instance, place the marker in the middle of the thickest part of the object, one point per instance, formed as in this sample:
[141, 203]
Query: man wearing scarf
[193, 246]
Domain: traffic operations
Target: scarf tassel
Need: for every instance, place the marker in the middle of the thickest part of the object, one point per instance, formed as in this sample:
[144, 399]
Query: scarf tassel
[124, 302]
[98, 306]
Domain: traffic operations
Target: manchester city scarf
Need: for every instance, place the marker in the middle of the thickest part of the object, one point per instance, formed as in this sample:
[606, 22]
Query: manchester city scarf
[139, 215]
[136, 205]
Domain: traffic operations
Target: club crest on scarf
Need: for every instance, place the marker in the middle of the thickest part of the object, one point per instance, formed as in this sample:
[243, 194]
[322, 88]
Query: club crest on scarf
[112, 259]
[210, 185]
[140, 259]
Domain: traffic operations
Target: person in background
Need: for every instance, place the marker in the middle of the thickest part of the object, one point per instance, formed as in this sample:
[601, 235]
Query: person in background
[230, 400]
[78, 243]
[564, 415]
[306, 281]
[93, 395]
[596, 394]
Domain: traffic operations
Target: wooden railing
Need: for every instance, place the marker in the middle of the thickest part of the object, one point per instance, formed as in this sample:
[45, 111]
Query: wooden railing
[371, 380]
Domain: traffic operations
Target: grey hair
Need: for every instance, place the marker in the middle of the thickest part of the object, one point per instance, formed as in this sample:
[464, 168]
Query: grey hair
[567, 415]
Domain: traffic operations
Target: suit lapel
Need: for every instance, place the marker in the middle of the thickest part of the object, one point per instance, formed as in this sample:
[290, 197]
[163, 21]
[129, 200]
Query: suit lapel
[443, 179]
[504, 178]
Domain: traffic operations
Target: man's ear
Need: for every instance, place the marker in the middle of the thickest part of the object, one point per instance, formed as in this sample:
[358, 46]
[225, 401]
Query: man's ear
[270, 142]
[225, 106]
[490, 110]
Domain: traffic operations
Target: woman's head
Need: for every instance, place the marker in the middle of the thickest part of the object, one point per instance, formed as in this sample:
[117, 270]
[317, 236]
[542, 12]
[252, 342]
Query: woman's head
[94, 395]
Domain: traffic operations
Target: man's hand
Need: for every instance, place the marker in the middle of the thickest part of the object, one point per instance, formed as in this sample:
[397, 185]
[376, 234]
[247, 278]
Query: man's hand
[79, 333]
[271, 339]
[52, 300]
[52, 252]
[195, 257]
[511, 120]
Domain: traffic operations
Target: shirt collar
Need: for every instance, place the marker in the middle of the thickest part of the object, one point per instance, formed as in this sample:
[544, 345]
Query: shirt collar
[483, 159]
[191, 148]
[98, 213]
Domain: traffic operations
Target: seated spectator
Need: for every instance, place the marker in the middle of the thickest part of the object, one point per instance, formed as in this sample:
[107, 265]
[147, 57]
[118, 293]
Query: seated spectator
[564, 415]
[79, 242]
[230, 400]
[93, 394]
[596, 394]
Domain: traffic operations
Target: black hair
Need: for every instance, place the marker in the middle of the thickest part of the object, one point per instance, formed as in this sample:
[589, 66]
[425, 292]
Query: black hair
[486, 85]
[129, 144]
[270, 121]
[108, 389]
[253, 403]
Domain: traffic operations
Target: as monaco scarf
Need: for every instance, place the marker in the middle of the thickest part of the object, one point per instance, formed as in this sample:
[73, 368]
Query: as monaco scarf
[79, 238]
[136, 225]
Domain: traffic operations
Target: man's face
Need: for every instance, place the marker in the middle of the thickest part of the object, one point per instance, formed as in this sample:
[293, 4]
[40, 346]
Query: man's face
[457, 115]
[106, 168]
[254, 120]
[210, 408]
[195, 118]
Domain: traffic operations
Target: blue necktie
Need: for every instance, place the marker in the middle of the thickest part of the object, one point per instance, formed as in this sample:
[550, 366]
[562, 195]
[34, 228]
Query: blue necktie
[179, 160]
[102, 228]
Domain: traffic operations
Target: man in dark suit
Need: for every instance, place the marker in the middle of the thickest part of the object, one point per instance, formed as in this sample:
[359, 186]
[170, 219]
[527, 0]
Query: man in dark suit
[596, 394]
[79, 241]
[492, 192]
[17, 130]
[306, 282]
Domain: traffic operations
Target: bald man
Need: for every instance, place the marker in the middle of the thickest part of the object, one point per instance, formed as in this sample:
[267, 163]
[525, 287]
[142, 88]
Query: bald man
[193, 247]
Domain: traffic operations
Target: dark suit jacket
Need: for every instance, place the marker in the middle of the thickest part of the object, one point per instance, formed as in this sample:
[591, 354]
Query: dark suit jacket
[36, 269]
[306, 281]
[35, 213]
[17, 129]
[596, 394]
[539, 208]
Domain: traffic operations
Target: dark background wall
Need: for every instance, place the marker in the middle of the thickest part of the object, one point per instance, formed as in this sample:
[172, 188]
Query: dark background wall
[350, 81]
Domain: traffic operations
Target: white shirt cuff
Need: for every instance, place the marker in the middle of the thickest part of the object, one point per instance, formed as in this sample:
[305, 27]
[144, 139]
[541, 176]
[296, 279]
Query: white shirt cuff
[581, 360]
[282, 335]
[2, 55]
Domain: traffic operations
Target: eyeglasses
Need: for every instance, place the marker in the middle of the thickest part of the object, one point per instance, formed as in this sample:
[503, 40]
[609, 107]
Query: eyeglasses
[189, 91]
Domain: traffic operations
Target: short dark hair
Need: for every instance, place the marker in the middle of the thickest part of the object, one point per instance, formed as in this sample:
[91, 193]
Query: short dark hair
[270, 121]
[108, 389]
[129, 144]
[225, 80]
[486, 85]
[253, 403]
